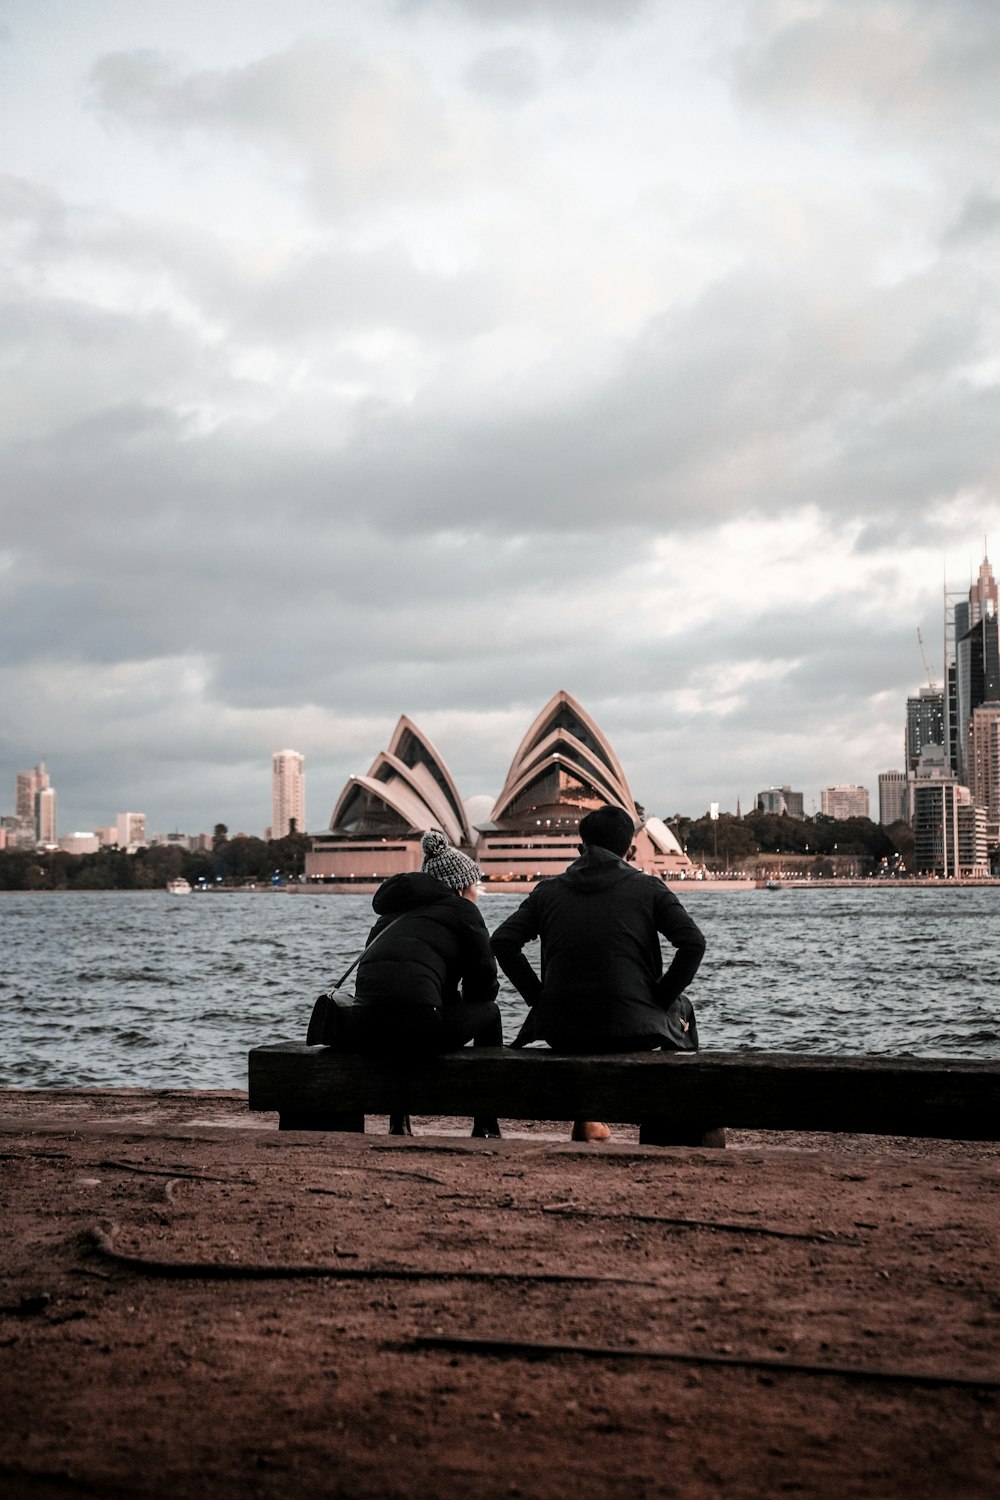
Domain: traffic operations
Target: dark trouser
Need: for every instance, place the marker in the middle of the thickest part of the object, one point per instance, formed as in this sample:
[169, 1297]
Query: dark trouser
[576, 1046]
[654, 1131]
[400, 1031]
[417, 1028]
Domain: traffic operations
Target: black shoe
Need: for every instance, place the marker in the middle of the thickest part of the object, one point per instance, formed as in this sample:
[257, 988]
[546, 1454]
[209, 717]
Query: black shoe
[486, 1128]
[400, 1125]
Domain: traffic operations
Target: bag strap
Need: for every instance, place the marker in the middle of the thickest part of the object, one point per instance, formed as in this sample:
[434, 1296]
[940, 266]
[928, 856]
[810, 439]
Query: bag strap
[368, 947]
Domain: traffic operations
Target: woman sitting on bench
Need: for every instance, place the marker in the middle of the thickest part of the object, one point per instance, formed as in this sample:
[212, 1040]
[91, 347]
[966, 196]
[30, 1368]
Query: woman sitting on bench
[427, 980]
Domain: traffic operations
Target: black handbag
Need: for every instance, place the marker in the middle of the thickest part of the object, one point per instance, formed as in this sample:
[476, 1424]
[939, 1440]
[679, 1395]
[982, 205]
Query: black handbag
[682, 1027]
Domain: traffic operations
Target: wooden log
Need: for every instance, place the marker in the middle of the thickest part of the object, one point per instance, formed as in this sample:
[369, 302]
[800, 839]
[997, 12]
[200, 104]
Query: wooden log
[950, 1098]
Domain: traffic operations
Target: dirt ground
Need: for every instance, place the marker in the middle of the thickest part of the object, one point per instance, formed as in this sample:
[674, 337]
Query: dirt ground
[192, 1304]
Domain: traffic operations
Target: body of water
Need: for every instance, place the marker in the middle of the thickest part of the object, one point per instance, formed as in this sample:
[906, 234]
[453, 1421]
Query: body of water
[148, 990]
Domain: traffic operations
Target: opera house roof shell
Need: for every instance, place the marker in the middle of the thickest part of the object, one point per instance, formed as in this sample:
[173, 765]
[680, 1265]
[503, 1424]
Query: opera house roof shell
[408, 788]
[562, 768]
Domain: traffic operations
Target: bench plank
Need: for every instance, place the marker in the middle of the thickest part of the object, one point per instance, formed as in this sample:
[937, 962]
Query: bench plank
[945, 1098]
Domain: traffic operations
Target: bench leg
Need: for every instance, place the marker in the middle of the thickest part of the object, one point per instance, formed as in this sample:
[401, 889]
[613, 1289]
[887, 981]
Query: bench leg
[347, 1120]
[657, 1130]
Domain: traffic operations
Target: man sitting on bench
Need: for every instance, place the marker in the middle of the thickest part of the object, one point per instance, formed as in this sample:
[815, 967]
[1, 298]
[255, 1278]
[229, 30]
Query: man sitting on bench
[602, 987]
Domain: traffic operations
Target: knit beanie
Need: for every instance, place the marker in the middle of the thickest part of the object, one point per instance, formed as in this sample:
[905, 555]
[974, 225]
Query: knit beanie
[450, 866]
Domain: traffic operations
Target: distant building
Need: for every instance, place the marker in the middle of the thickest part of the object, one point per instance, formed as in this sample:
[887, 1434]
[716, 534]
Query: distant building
[34, 808]
[844, 802]
[978, 668]
[170, 841]
[973, 845]
[563, 768]
[288, 793]
[45, 817]
[984, 743]
[27, 786]
[893, 797]
[781, 799]
[79, 843]
[924, 723]
[973, 664]
[376, 826]
[949, 830]
[130, 830]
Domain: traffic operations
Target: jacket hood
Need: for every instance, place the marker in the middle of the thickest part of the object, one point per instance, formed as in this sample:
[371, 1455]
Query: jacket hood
[596, 870]
[405, 892]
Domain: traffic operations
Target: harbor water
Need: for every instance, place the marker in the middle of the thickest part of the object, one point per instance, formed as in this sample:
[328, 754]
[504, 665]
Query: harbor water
[149, 990]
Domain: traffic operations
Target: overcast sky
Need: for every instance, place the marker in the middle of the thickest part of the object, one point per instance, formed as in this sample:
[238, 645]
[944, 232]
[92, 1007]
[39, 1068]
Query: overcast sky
[429, 356]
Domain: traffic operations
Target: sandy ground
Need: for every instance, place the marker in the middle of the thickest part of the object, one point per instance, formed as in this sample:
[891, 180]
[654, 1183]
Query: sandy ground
[196, 1305]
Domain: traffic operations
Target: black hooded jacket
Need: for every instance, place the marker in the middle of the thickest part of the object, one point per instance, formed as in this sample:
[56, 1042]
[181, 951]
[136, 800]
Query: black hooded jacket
[602, 973]
[439, 943]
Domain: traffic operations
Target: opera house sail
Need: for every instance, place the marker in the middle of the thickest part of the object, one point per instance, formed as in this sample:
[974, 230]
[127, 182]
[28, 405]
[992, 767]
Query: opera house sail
[564, 767]
[378, 820]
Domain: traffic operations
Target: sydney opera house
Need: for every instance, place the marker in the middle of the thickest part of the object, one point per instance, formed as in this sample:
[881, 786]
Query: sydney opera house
[564, 767]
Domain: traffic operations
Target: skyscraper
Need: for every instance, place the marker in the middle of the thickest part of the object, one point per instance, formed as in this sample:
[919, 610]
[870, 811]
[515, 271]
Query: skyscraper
[45, 819]
[893, 797]
[972, 652]
[130, 830]
[36, 818]
[984, 746]
[924, 723]
[288, 793]
[781, 799]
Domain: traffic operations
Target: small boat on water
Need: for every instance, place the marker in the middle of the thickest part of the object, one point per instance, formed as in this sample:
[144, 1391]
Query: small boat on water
[772, 885]
[179, 886]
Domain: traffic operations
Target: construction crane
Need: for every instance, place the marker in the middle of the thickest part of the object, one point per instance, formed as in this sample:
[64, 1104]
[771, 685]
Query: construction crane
[927, 669]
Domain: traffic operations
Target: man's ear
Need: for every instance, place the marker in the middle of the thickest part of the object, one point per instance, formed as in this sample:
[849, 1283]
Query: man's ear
[630, 856]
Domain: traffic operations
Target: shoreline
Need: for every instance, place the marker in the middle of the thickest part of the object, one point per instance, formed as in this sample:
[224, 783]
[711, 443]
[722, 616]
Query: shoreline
[714, 885]
[196, 1303]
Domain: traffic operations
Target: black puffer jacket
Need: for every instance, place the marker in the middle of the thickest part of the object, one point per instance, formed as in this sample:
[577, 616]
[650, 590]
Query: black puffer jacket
[602, 974]
[439, 943]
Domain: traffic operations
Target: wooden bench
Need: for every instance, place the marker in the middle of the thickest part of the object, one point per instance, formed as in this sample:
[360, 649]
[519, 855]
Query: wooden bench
[676, 1098]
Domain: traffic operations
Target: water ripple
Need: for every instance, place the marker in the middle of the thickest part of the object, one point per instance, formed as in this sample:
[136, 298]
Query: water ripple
[146, 990]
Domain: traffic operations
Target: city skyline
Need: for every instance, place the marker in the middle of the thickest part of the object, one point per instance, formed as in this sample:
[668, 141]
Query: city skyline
[421, 358]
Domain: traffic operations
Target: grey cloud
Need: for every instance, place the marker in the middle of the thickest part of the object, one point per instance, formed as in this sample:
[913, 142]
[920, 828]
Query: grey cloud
[914, 66]
[555, 12]
[762, 394]
[359, 130]
[978, 220]
[334, 289]
[510, 75]
[30, 205]
[349, 291]
[742, 401]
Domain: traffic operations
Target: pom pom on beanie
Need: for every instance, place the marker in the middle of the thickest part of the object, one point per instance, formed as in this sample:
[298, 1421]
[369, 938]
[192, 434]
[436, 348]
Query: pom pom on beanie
[433, 843]
[453, 868]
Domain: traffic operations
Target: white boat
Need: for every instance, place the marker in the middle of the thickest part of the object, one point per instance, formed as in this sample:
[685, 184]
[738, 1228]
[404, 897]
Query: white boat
[179, 887]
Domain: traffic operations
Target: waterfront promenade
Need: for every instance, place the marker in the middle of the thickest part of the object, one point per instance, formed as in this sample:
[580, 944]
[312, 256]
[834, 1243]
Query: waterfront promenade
[194, 1304]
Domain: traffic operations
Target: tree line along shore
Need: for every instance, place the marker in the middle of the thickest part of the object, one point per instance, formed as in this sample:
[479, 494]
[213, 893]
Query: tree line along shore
[818, 845]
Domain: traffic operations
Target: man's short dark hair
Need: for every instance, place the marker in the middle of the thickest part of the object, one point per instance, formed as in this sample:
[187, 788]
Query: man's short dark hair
[609, 827]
